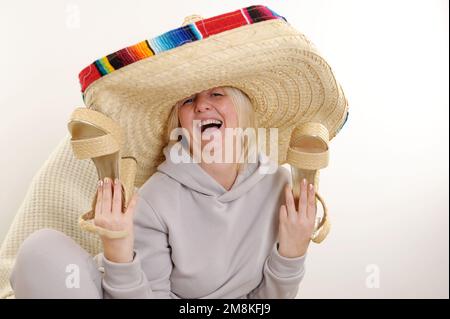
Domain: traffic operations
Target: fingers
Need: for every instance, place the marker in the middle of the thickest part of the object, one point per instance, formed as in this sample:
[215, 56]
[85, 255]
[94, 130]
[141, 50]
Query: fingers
[302, 201]
[132, 204]
[311, 207]
[290, 203]
[283, 214]
[98, 204]
[107, 196]
[110, 197]
[117, 198]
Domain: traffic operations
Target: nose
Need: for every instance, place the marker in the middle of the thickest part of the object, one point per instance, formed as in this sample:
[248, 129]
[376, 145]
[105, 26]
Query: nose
[202, 104]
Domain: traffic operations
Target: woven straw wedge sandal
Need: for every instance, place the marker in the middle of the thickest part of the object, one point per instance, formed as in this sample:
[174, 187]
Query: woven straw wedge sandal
[307, 153]
[98, 137]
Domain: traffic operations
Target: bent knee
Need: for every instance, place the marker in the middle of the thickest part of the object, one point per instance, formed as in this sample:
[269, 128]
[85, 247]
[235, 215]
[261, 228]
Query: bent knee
[43, 260]
[41, 243]
[34, 250]
[45, 234]
[42, 239]
[47, 248]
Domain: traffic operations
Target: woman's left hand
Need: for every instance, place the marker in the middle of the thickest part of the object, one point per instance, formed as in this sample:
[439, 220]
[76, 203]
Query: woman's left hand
[296, 226]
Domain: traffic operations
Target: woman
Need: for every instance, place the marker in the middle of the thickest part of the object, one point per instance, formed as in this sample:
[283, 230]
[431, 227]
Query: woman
[201, 230]
[208, 228]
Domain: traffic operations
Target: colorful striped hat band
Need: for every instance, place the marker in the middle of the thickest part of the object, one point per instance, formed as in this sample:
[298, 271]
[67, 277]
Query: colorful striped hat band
[194, 28]
[254, 49]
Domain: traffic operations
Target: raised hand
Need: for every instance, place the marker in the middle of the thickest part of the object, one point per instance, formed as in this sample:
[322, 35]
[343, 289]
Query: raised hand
[109, 215]
[297, 225]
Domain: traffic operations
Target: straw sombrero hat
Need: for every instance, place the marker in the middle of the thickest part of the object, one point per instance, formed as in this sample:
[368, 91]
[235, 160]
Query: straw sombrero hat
[291, 86]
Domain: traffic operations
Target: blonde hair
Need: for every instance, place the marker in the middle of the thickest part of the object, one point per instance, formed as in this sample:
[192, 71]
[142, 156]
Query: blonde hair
[245, 115]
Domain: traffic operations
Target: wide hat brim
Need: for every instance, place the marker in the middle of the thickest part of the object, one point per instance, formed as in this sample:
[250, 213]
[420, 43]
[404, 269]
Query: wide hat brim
[285, 77]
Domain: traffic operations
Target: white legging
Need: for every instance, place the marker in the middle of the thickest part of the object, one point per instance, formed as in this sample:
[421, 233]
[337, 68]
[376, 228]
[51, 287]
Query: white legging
[50, 264]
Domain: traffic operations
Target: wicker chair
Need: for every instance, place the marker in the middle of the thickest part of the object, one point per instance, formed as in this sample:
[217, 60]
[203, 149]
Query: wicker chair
[60, 191]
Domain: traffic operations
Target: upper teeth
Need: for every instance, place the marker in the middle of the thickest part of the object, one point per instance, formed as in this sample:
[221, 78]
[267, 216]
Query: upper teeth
[204, 122]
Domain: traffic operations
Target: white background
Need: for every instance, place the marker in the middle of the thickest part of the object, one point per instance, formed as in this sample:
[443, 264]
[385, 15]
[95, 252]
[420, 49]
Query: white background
[387, 182]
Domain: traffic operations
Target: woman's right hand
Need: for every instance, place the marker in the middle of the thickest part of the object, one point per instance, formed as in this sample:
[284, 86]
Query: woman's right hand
[109, 215]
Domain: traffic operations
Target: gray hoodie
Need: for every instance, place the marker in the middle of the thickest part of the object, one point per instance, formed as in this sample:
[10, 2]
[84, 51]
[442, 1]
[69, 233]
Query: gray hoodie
[195, 239]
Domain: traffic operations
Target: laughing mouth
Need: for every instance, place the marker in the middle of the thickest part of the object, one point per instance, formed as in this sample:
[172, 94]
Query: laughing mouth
[205, 124]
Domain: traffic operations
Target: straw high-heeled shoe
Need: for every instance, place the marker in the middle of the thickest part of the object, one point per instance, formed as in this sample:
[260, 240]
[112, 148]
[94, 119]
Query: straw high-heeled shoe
[308, 152]
[98, 137]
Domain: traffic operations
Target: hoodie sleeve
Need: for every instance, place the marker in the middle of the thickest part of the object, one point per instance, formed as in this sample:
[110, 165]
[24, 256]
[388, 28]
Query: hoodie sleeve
[281, 277]
[147, 276]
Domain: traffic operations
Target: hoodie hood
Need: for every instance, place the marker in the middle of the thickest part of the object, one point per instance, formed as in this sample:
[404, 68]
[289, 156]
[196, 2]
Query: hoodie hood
[192, 175]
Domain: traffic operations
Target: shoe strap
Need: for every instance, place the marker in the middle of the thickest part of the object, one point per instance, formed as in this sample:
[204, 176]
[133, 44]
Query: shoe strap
[86, 222]
[306, 160]
[322, 230]
[100, 120]
[312, 129]
[298, 157]
[95, 146]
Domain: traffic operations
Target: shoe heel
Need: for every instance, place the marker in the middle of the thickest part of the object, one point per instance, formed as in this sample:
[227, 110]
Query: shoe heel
[308, 153]
[97, 137]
